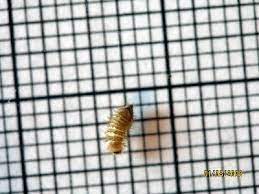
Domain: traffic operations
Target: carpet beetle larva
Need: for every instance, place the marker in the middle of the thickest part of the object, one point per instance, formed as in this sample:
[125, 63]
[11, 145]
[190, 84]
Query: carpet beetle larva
[117, 130]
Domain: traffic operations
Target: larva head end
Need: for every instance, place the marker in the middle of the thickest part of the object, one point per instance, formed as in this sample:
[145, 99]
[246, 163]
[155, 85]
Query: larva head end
[114, 147]
[115, 153]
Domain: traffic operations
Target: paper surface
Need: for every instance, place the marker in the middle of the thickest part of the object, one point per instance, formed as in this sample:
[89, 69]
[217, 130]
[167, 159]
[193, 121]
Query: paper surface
[190, 68]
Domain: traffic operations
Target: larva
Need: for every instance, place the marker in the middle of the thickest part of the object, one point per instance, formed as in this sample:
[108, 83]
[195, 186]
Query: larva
[117, 130]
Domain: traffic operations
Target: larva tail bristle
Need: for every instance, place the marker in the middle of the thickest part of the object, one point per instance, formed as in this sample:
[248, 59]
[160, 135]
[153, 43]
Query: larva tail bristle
[129, 108]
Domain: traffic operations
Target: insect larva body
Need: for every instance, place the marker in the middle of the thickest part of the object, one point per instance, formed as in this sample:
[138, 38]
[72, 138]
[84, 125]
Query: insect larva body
[118, 126]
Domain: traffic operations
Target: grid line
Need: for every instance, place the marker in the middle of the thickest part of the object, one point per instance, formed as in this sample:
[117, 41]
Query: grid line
[17, 97]
[94, 96]
[247, 101]
[200, 93]
[169, 86]
[121, 53]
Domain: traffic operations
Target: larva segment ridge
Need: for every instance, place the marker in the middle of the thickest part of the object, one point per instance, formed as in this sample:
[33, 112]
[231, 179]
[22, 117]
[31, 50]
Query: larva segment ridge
[117, 130]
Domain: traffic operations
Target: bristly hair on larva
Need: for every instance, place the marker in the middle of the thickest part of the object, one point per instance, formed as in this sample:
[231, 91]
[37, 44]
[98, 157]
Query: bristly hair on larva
[118, 127]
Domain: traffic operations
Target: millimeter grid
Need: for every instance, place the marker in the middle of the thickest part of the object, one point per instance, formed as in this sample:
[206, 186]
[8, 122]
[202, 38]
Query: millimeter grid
[190, 68]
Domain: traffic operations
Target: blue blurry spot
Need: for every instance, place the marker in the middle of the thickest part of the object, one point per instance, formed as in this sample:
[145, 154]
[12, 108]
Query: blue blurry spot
[133, 98]
[147, 97]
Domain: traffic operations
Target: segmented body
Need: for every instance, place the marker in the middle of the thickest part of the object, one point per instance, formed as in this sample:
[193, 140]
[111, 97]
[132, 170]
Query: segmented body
[118, 127]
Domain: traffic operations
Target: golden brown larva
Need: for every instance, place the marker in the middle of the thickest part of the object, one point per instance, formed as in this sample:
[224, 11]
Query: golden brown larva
[118, 126]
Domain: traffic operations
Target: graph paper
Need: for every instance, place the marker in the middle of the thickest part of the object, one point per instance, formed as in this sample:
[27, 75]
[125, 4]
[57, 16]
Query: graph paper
[190, 69]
